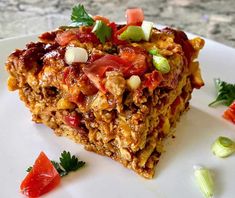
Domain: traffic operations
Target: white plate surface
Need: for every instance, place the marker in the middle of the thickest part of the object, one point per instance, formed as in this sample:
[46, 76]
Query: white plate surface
[21, 140]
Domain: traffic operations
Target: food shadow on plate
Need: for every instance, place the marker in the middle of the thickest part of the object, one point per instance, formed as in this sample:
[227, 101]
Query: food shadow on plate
[195, 133]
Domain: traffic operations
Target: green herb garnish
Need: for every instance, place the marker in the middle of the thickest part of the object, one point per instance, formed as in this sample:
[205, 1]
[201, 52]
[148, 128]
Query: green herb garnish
[67, 164]
[70, 163]
[225, 93]
[102, 31]
[80, 16]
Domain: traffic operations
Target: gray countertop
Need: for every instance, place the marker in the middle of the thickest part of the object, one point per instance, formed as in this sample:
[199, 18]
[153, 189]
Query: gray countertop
[213, 19]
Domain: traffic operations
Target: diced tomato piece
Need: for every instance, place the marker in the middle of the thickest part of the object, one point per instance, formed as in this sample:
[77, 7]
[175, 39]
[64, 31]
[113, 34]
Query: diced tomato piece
[72, 120]
[96, 70]
[135, 16]
[152, 80]
[232, 106]
[41, 179]
[229, 114]
[138, 58]
[101, 18]
[63, 38]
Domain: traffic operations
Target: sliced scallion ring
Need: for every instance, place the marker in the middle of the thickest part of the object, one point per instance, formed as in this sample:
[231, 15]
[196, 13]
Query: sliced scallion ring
[161, 64]
[204, 180]
[223, 147]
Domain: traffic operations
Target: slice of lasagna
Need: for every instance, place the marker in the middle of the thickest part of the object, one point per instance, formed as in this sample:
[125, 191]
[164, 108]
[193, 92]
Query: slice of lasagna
[116, 89]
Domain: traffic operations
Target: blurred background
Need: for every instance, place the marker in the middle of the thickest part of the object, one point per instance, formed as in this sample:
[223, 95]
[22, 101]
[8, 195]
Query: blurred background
[214, 19]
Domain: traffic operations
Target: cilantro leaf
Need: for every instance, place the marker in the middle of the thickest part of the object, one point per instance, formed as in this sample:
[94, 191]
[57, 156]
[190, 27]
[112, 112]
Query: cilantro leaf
[70, 163]
[225, 93]
[80, 16]
[102, 31]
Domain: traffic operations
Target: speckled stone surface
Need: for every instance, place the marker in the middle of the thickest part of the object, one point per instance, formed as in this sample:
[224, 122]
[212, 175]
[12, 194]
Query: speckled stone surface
[213, 19]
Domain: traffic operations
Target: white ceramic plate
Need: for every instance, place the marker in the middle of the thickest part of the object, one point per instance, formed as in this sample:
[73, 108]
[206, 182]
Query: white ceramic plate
[21, 141]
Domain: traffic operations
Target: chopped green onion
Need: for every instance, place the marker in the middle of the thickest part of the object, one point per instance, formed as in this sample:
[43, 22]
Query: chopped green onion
[153, 51]
[223, 147]
[134, 33]
[204, 180]
[161, 64]
[147, 27]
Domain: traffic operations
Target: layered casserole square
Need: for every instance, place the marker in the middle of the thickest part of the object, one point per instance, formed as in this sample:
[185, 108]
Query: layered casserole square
[109, 96]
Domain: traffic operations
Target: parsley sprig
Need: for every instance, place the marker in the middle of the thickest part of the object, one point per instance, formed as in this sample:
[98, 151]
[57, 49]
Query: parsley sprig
[80, 16]
[67, 164]
[70, 163]
[225, 93]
